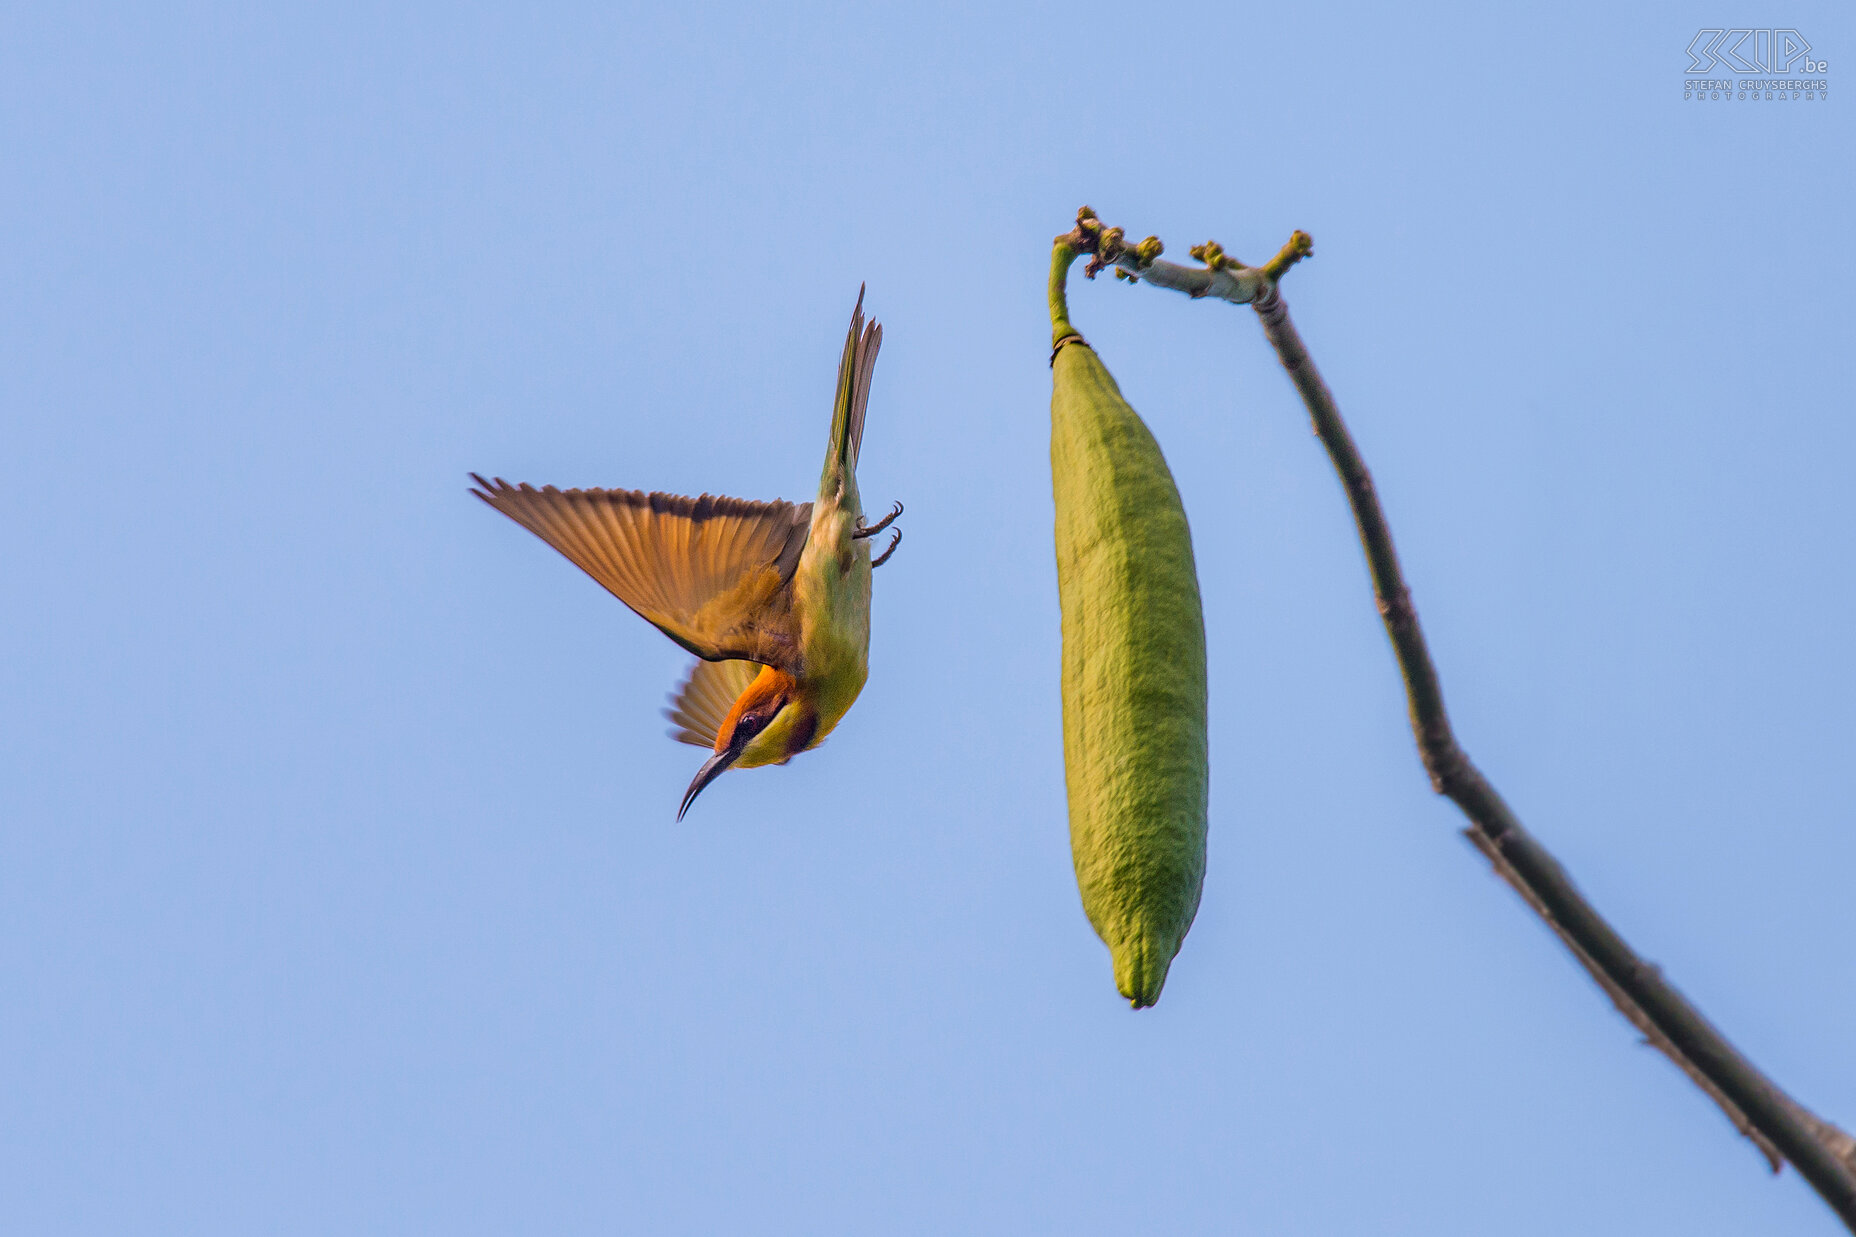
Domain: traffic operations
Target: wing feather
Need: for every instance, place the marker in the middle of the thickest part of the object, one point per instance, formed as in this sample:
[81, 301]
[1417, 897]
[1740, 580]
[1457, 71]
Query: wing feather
[701, 703]
[710, 572]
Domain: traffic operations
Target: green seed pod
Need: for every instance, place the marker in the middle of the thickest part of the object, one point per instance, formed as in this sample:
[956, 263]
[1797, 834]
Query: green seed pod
[1134, 727]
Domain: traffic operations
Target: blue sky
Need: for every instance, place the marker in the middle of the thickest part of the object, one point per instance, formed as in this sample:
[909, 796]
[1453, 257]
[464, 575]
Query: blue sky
[340, 888]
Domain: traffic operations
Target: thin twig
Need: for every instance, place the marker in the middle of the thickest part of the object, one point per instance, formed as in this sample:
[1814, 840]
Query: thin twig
[1780, 1127]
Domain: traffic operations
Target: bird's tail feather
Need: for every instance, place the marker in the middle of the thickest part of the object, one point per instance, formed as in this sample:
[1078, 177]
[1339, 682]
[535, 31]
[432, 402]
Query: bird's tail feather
[853, 396]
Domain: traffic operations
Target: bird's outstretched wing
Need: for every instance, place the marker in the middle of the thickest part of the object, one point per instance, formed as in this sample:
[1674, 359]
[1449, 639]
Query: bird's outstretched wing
[701, 703]
[711, 573]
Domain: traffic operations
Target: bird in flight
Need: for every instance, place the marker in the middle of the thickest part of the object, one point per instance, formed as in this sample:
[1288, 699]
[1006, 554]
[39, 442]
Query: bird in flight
[773, 597]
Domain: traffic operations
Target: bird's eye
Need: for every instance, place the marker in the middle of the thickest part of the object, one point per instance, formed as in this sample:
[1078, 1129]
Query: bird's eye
[750, 724]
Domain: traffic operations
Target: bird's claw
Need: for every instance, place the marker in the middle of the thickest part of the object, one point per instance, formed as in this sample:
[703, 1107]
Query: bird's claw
[884, 557]
[878, 527]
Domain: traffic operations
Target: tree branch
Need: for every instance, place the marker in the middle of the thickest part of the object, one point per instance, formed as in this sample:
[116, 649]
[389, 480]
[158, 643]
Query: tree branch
[1781, 1128]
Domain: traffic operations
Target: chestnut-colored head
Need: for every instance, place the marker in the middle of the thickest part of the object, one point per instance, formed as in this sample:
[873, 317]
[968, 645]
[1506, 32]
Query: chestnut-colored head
[768, 724]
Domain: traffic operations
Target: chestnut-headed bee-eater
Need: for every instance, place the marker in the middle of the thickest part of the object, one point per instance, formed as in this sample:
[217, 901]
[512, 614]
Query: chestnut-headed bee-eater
[773, 597]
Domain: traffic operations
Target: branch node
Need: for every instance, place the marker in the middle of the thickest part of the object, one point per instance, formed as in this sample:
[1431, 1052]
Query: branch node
[1108, 248]
[1082, 238]
[1444, 761]
[1397, 607]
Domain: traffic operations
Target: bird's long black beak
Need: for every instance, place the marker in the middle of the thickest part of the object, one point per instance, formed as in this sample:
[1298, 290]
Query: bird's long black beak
[712, 768]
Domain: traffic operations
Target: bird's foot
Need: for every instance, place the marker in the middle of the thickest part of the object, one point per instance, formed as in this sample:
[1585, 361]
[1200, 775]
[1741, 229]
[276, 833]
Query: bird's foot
[878, 527]
[884, 557]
